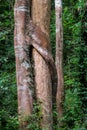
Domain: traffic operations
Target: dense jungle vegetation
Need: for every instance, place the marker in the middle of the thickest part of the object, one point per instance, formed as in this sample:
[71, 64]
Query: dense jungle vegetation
[74, 59]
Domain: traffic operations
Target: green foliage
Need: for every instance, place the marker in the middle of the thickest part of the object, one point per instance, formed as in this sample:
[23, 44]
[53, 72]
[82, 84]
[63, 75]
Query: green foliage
[35, 119]
[75, 68]
[8, 122]
[8, 92]
[72, 107]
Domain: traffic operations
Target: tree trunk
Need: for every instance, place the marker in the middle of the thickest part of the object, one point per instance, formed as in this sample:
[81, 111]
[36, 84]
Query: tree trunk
[41, 16]
[59, 57]
[23, 67]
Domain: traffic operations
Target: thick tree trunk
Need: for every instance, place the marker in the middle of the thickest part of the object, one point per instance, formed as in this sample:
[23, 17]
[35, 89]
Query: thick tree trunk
[23, 67]
[41, 16]
[59, 57]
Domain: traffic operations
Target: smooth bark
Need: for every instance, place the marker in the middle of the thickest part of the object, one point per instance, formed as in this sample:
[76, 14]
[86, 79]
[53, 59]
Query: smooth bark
[59, 59]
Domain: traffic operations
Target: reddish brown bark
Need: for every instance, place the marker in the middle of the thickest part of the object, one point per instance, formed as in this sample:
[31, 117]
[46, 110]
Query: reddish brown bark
[41, 16]
[59, 57]
[21, 10]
